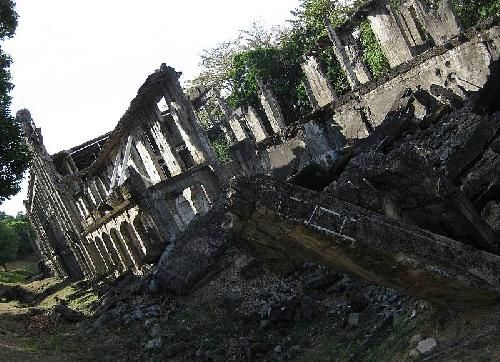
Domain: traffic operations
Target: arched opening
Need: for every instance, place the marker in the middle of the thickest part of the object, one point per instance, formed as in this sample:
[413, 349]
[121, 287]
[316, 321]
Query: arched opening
[133, 244]
[122, 249]
[113, 252]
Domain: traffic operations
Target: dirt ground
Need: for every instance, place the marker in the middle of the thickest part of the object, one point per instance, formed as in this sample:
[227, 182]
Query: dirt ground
[198, 327]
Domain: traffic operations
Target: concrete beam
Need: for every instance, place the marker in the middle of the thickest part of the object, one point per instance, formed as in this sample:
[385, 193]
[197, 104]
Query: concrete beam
[282, 223]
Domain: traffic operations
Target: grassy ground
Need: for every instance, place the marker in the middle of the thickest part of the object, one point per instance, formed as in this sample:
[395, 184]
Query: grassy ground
[199, 322]
[18, 272]
[29, 336]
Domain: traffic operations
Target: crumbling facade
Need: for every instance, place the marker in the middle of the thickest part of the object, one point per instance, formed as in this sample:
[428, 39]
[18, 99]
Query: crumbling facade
[113, 203]
[118, 202]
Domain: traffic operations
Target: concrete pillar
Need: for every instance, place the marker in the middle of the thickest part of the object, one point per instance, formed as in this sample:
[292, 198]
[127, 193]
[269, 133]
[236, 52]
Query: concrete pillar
[200, 199]
[237, 124]
[440, 23]
[255, 124]
[342, 57]
[318, 87]
[167, 147]
[148, 158]
[97, 258]
[113, 252]
[104, 254]
[228, 133]
[134, 247]
[125, 256]
[354, 54]
[184, 207]
[138, 162]
[389, 35]
[411, 26]
[271, 107]
[181, 109]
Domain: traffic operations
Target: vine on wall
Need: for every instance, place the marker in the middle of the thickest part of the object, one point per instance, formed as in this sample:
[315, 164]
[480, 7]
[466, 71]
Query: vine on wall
[373, 55]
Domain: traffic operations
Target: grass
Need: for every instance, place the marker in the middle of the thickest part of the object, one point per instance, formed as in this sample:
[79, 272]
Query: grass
[18, 272]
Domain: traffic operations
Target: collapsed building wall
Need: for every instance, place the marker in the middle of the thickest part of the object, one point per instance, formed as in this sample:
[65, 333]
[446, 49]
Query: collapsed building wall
[117, 202]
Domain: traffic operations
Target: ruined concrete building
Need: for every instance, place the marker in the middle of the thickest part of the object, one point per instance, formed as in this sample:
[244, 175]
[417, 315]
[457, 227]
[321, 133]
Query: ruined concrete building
[397, 165]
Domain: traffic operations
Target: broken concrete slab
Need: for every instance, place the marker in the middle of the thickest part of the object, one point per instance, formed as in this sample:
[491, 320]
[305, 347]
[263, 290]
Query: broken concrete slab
[282, 223]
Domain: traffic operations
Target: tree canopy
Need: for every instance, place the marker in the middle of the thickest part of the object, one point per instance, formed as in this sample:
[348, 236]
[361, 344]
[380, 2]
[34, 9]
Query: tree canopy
[13, 152]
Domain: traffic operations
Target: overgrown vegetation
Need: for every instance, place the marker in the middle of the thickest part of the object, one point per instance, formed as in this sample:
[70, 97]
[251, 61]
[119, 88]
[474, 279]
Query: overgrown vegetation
[13, 152]
[16, 238]
[471, 11]
[372, 52]
[275, 56]
[221, 148]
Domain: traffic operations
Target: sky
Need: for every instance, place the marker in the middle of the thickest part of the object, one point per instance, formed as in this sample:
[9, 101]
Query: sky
[78, 64]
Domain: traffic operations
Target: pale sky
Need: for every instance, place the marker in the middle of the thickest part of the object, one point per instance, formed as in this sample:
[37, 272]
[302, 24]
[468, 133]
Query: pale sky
[78, 64]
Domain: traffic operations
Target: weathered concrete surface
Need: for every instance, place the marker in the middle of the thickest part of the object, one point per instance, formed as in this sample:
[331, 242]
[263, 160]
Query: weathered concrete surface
[460, 66]
[194, 256]
[282, 223]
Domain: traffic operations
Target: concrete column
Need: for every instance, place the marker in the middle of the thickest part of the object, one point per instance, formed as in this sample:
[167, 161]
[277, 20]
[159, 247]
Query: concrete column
[237, 124]
[255, 124]
[183, 113]
[228, 133]
[113, 251]
[342, 57]
[318, 86]
[200, 199]
[440, 23]
[167, 148]
[146, 154]
[185, 208]
[389, 35]
[354, 53]
[120, 245]
[138, 162]
[126, 155]
[271, 107]
[411, 26]
[104, 254]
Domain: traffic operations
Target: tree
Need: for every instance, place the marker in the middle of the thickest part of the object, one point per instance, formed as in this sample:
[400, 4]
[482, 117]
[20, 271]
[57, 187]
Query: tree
[13, 152]
[8, 244]
[216, 62]
[16, 237]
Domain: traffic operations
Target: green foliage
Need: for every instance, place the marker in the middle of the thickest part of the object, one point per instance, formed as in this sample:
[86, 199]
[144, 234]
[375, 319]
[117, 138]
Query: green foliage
[334, 71]
[221, 148]
[16, 237]
[210, 113]
[13, 153]
[275, 57]
[9, 242]
[8, 19]
[373, 55]
[279, 68]
[471, 11]
[311, 16]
